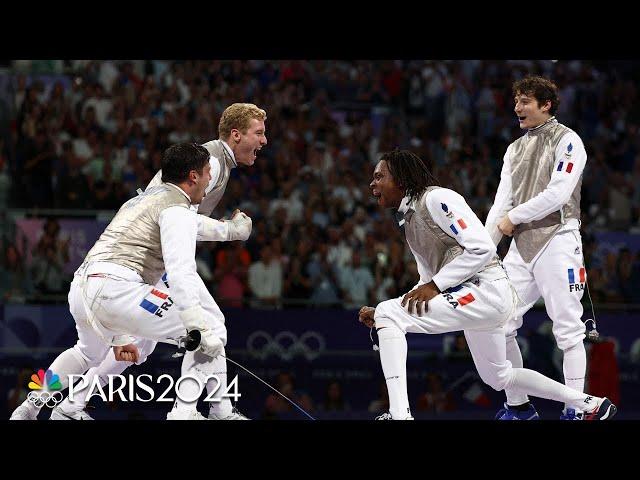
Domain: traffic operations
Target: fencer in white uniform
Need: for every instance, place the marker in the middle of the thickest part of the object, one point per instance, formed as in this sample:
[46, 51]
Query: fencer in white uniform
[462, 286]
[538, 202]
[113, 297]
[242, 134]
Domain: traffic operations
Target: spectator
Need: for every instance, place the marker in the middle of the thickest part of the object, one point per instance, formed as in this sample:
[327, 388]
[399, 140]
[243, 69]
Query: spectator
[49, 258]
[380, 404]
[435, 398]
[275, 406]
[334, 400]
[265, 279]
[91, 139]
[356, 283]
[15, 282]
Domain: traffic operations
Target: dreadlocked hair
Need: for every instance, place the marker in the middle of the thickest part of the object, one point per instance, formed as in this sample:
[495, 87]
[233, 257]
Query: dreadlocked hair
[409, 172]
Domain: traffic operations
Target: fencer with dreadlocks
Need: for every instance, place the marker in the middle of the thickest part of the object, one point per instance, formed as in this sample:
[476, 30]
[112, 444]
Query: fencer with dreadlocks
[462, 286]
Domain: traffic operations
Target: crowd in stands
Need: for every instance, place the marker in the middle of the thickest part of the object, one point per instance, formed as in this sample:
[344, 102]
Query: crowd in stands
[87, 134]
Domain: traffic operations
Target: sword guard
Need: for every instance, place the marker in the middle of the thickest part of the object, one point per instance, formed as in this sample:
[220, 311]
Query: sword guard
[192, 340]
[592, 335]
[188, 343]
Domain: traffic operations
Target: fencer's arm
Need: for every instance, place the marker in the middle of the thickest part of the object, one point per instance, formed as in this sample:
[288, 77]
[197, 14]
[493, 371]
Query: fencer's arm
[178, 230]
[503, 201]
[212, 230]
[478, 248]
[561, 186]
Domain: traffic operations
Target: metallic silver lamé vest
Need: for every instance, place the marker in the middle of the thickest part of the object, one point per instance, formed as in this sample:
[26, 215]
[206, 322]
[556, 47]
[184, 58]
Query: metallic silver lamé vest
[217, 150]
[532, 163]
[428, 241]
[132, 239]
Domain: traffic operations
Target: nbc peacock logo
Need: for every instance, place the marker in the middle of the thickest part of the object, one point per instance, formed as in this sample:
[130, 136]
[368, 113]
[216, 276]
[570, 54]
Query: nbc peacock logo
[45, 389]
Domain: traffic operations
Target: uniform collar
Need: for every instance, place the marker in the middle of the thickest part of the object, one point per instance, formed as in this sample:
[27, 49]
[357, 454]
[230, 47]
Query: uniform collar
[230, 153]
[406, 204]
[543, 127]
[405, 210]
[180, 190]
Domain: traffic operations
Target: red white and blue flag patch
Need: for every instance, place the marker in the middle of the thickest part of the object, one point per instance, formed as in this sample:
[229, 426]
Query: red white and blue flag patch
[155, 301]
[572, 277]
[461, 224]
[567, 168]
[455, 302]
[576, 284]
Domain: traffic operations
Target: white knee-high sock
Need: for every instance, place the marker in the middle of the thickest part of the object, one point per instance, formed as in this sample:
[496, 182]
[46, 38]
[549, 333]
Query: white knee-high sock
[538, 385]
[222, 406]
[574, 366]
[199, 365]
[393, 357]
[514, 396]
[189, 389]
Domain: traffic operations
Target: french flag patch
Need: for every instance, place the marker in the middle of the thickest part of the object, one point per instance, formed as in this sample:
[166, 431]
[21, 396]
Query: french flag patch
[156, 301]
[461, 224]
[572, 275]
[577, 279]
[567, 169]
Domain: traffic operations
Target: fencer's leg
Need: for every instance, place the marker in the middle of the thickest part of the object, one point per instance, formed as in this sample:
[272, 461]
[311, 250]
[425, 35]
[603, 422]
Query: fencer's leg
[561, 278]
[523, 282]
[574, 366]
[88, 351]
[489, 356]
[196, 370]
[188, 391]
[444, 314]
[393, 357]
[109, 366]
[220, 407]
[69, 362]
[198, 365]
[165, 325]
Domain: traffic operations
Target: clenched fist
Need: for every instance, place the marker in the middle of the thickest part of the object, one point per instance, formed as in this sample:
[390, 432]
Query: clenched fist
[505, 226]
[365, 315]
[126, 353]
[239, 226]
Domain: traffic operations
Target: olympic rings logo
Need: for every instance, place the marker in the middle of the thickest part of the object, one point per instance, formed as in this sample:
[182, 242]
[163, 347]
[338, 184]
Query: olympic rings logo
[42, 398]
[285, 345]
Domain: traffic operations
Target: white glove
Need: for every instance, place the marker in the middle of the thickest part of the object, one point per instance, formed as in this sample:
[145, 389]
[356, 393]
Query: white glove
[239, 227]
[210, 343]
[193, 319]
